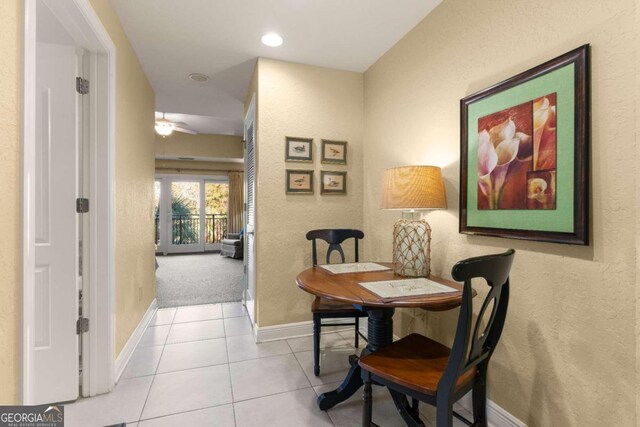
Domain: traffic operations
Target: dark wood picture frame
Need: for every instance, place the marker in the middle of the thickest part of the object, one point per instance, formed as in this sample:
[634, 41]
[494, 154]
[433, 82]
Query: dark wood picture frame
[329, 189]
[341, 146]
[291, 186]
[579, 235]
[292, 143]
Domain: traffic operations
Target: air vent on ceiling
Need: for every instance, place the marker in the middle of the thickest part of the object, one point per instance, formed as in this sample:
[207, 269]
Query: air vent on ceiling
[199, 77]
[186, 158]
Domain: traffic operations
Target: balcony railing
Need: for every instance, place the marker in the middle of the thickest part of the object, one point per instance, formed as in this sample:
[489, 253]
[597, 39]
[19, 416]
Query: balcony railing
[185, 229]
[215, 228]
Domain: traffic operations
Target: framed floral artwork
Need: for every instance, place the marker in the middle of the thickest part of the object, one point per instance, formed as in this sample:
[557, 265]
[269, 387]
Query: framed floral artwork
[298, 149]
[523, 154]
[333, 182]
[299, 181]
[334, 152]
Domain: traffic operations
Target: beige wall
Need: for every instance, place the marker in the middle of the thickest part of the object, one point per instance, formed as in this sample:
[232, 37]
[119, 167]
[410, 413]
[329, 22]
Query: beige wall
[135, 105]
[201, 147]
[135, 280]
[568, 352]
[11, 17]
[253, 90]
[180, 144]
[637, 222]
[637, 200]
[305, 101]
[195, 168]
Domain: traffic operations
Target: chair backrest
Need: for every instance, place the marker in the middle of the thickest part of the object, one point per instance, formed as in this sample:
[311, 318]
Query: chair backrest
[335, 238]
[494, 269]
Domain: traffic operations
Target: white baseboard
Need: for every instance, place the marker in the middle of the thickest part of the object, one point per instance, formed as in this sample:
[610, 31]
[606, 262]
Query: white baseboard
[134, 339]
[499, 417]
[496, 415]
[304, 329]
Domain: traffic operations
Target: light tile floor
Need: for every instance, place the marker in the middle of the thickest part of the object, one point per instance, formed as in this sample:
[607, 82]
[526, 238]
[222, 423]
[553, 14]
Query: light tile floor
[199, 366]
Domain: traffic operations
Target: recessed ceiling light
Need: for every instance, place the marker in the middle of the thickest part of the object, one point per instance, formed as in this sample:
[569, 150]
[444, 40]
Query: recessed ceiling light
[199, 77]
[272, 40]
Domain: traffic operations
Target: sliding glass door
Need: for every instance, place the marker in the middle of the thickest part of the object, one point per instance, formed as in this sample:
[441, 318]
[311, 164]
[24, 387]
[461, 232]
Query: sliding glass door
[186, 221]
[216, 202]
[191, 214]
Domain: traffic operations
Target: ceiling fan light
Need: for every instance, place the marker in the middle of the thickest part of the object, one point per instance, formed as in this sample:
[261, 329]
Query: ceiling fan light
[164, 128]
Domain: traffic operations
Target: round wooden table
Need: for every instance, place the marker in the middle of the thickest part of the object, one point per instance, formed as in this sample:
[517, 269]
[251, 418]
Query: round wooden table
[345, 287]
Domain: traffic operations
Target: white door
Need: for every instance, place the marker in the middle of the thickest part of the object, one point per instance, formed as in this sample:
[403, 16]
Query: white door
[54, 340]
[249, 295]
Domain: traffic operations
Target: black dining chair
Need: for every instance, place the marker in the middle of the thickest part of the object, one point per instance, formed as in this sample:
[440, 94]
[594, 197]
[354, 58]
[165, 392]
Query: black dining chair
[323, 308]
[427, 371]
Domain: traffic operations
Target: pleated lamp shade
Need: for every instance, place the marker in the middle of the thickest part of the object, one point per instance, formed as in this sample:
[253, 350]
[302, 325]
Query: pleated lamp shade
[413, 188]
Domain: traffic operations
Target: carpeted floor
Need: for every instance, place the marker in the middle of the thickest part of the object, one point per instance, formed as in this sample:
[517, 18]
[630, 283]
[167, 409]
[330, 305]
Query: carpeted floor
[197, 279]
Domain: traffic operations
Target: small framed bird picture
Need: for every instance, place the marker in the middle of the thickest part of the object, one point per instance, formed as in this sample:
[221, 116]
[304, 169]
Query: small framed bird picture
[334, 152]
[299, 181]
[333, 182]
[298, 150]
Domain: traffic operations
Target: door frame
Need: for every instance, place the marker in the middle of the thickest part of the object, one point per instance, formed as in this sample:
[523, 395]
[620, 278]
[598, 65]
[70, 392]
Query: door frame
[82, 23]
[250, 304]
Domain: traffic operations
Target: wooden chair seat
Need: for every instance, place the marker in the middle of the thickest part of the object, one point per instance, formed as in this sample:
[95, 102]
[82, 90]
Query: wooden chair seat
[415, 362]
[323, 305]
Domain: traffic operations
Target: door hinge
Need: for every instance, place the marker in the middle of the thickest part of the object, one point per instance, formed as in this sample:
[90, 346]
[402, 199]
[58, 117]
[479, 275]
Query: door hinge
[82, 205]
[82, 86]
[82, 325]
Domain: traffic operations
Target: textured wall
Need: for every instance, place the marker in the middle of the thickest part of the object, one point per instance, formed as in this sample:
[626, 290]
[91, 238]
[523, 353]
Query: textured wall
[203, 145]
[304, 101]
[11, 17]
[187, 167]
[135, 169]
[135, 276]
[567, 356]
[637, 222]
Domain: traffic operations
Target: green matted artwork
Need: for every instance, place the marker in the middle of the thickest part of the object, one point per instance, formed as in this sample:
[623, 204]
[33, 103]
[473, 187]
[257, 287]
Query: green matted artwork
[523, 154]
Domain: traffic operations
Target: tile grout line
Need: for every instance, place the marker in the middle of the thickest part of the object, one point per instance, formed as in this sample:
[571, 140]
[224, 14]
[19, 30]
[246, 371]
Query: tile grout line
[188, 369]
[274, 394]
[313, 389]
[229, 361]
[184, 412]
[226, 346]
[233, 402]
[154, 375]
[271, 356]
[320, 385]
[216, 364]
[158, 367]
[305, 374]
[225, 404]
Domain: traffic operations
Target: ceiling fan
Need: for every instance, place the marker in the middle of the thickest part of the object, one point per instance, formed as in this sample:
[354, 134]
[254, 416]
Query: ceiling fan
[166, 127]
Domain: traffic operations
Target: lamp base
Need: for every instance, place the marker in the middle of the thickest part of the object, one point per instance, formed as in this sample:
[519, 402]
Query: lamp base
[412, 248]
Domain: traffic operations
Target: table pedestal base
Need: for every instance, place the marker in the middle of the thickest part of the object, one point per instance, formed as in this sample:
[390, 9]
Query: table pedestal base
[380, 334]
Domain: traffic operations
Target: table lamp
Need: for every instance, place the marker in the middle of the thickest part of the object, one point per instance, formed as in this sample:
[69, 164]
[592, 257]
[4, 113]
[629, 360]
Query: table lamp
[410, 189]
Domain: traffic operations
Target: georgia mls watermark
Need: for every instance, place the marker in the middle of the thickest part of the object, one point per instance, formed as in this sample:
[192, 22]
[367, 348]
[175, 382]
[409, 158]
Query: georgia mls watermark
[32, 416]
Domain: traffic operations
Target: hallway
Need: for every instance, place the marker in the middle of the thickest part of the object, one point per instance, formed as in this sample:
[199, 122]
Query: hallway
[197, 279]
[199, 366]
